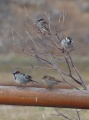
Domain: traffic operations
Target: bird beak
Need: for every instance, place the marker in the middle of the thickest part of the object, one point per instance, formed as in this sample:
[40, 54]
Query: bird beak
[14, 73]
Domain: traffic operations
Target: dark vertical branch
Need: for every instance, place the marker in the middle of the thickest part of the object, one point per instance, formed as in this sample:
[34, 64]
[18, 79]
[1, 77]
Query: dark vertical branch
[83, 84]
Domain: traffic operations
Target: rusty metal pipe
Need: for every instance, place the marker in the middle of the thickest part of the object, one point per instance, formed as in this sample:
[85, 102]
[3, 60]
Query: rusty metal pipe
[30, 96]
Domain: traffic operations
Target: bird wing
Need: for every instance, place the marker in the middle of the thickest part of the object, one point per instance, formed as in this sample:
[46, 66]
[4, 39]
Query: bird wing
[57, 80]
[28, 76]
[54, 79]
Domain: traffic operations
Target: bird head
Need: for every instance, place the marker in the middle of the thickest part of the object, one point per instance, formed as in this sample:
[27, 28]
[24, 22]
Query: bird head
[16, 72]
[41, 19]
[69, 40]
[46, 76]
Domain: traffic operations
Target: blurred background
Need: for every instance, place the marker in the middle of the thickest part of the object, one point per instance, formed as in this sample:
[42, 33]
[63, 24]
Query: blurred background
[14, 17]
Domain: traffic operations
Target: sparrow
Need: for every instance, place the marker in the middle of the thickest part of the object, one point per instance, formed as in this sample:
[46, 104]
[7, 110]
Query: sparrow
[42, 26]
[50, 81]
[22, 78]
[67, 44]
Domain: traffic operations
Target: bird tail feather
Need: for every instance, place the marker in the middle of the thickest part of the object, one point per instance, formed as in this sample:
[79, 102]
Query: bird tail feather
[34, 81]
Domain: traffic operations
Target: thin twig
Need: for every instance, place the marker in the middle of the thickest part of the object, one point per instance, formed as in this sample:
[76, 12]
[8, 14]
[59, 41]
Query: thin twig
[21, 37]
[48, 18]
[34, 31]
[59, 71]
[43, 116]
[70, 73]
[55, 43]
[36, 67]
[83, 84]
[32, 39]
[61, 114]
[78, 114]
[27, 13]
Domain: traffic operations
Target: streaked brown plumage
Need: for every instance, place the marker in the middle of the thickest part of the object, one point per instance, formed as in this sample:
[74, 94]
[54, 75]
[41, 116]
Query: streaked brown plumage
[50, 81]
[42, 25]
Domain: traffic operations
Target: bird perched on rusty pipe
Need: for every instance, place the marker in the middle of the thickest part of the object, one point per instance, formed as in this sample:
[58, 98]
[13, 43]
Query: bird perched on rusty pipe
[22, 78]
[67, 44]
[51, 81]
[43, 26]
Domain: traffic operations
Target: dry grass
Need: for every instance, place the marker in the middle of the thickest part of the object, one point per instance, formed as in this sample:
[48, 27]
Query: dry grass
[24, 113]
[37, 113]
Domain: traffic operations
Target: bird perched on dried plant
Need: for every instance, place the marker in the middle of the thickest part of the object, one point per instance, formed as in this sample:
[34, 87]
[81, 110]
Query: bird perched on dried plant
[22, 78]
[50, 81]
[67, 44]
[43, 26]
